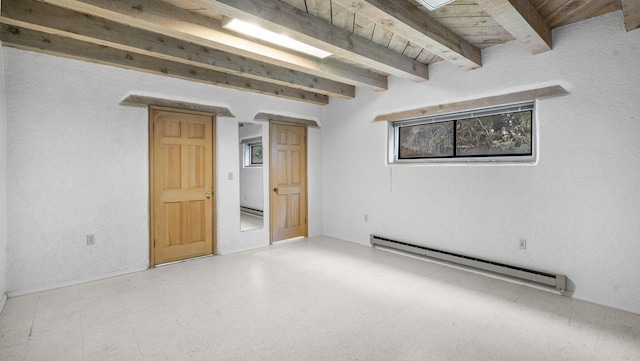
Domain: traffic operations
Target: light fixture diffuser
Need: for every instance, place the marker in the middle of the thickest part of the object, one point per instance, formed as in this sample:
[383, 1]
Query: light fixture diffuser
[257, 32]
[434, 4]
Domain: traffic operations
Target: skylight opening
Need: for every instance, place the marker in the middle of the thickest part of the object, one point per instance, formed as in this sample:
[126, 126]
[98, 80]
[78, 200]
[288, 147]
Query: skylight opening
[434, 4]
[257, 32]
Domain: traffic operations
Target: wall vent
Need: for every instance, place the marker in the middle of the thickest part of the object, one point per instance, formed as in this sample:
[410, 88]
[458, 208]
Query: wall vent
[547, 279]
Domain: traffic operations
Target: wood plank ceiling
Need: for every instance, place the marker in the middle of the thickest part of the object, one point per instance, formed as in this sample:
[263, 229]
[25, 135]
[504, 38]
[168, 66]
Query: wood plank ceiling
[369, 40]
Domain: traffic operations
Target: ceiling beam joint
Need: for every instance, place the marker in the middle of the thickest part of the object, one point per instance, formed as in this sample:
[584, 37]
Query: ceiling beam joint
[522, 21]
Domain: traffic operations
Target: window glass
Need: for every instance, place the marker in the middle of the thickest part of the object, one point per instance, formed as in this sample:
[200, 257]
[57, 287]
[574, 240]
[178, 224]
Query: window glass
[499, 134]
[256, 154]
[502, 133]
[252, 154]
[426, 140]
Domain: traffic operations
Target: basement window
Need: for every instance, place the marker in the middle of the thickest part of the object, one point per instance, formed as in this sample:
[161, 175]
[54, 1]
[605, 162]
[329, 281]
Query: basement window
[496, 134]
[252, 152]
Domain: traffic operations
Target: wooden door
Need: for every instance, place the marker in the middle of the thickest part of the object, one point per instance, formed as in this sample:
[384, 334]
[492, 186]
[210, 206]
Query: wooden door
[182, 181]
[288, 178]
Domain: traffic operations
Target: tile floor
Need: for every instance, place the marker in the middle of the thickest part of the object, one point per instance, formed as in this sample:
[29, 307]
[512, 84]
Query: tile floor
[249, 222]
[311, 299]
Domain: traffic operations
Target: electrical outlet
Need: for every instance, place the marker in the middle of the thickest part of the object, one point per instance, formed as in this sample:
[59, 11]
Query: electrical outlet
[366, 218]
[230, 176]
[91, 239]
[523, 243]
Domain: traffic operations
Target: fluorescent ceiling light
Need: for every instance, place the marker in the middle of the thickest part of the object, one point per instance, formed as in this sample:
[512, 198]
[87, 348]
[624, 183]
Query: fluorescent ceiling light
[277, 39]
[434, 4]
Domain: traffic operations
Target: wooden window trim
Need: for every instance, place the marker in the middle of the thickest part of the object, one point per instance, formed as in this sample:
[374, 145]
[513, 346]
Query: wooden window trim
[496, 100]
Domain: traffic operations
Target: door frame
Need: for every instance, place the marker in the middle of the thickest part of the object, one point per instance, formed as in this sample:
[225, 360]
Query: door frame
[306, 175]
[150, 112]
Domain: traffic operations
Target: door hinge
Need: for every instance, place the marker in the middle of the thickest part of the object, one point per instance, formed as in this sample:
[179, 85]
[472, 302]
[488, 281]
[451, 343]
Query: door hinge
[154, 243]
[305, 220]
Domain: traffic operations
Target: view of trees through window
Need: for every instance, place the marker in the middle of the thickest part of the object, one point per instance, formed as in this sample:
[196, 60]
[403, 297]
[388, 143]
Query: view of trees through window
[252, 154]
[256, 153]
[504, 134]
[426, 140]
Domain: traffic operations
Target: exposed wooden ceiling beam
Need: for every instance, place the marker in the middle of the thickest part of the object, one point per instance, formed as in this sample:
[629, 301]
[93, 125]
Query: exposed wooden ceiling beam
[170, 20]
[631, 11]
[54, 20]
[283, 18]
[404, 19]
[522, 21]
[28, 39]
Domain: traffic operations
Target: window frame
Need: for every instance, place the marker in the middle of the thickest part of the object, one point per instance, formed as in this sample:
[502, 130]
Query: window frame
[248, 145]
[394, 130]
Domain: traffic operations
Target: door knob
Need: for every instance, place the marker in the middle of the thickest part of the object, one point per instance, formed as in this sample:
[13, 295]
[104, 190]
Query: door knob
[208, 194]
[275, 190]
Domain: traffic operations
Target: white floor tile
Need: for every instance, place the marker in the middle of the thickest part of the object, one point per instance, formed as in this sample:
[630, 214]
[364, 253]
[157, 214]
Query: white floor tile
[313, 299]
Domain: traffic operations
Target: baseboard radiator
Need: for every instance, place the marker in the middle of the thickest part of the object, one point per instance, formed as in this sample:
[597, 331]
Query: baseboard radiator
[255, 212]
[547, 279]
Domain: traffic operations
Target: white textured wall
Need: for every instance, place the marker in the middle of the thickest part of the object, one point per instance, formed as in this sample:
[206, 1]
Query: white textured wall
[3, 184]
[579, 207]
[77, 163]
